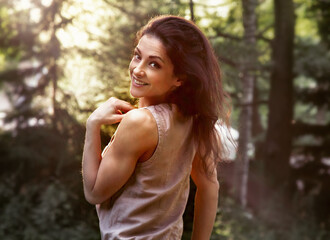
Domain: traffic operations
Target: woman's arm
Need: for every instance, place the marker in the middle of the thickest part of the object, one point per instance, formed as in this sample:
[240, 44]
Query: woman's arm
[206, 201]
[103, 176]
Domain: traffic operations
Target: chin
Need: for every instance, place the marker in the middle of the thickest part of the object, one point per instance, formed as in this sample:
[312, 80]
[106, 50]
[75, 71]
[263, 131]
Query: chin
[134, 93]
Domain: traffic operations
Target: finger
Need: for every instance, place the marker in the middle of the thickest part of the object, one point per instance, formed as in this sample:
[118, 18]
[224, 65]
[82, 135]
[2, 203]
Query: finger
[116, 118]
[124, 107]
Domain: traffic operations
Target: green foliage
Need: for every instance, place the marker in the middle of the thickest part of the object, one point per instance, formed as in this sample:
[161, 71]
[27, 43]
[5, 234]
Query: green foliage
[44, 211]
[233, 223]
[311, 84]
[321, 12]
[40, 188]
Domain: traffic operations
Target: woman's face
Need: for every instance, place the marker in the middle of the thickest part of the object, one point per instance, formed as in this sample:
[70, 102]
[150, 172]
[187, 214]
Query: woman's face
[151, 72]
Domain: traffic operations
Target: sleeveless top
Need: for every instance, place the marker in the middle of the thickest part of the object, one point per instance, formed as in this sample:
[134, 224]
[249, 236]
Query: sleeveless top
[151, 203]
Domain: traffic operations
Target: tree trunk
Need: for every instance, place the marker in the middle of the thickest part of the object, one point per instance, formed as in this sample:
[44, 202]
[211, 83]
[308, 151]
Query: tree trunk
[257, 128]
[192, 15]
[242, 161]
[54, 93]
[279, 132]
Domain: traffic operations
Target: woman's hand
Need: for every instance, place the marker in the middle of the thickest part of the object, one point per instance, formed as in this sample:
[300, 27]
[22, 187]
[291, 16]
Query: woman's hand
[110, 112]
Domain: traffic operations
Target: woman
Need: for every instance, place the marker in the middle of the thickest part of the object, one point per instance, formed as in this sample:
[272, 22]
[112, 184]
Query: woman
[140, 183]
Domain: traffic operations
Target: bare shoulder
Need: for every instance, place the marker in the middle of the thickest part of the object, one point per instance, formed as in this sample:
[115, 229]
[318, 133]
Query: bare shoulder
[137, 125]
[139, 118]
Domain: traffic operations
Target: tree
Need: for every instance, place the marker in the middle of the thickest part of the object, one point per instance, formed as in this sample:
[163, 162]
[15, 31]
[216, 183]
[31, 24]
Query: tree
[192, 14]
[38, 71]
[312, 123]
[248, 79]
[279, 132]
[40, 184]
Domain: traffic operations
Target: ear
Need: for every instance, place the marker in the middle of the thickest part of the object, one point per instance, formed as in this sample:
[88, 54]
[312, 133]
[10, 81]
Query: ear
[179, 80]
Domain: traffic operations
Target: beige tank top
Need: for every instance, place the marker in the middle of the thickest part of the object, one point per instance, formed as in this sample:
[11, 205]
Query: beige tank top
[151, 204]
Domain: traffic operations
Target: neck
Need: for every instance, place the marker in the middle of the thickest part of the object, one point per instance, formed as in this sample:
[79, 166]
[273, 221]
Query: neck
[143, 102]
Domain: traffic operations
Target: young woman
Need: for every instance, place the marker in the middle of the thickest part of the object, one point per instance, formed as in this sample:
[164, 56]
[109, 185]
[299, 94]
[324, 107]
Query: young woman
[140, 183]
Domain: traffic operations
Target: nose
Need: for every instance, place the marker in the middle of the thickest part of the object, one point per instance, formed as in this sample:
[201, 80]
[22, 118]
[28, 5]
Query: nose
[138, 71]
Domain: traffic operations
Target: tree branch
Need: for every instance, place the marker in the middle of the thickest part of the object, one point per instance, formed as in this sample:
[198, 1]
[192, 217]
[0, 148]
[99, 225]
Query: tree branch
[228, 61]
[122, 9]
[226, 35]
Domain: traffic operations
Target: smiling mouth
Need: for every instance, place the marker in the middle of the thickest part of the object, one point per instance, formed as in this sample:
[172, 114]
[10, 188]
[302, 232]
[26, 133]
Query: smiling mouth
[139, 82]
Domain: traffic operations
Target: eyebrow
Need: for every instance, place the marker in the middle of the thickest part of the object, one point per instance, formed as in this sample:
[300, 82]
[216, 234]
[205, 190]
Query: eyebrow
[151, 56]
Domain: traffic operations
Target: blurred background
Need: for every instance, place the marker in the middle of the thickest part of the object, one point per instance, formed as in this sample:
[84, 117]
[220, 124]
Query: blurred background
[59, 59]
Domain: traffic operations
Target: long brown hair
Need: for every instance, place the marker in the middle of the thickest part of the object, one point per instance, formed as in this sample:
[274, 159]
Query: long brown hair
[201, 94]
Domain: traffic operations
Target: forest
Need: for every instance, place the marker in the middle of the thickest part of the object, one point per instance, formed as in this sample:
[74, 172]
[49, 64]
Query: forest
[59, 59]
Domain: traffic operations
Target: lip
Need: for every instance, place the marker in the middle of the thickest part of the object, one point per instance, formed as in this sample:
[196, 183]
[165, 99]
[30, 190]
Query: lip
[134, 79]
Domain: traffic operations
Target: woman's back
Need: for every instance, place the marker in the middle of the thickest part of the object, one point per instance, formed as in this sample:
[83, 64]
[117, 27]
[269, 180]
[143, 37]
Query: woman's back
[150, 205]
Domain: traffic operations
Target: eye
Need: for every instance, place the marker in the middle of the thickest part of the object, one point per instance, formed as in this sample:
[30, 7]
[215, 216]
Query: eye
[137, 56]
[155, 65]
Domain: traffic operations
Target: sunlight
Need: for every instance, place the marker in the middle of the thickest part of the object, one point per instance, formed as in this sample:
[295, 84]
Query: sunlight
[213, 7]
[46, 3]
[87, 19]
[27, 4]
[35, 14]
[221, 7]
[23, 5]
[72, 37]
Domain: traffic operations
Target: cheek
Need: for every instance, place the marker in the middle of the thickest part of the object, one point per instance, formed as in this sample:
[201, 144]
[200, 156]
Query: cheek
[131, 66]
[164, 84]
[168, 81]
